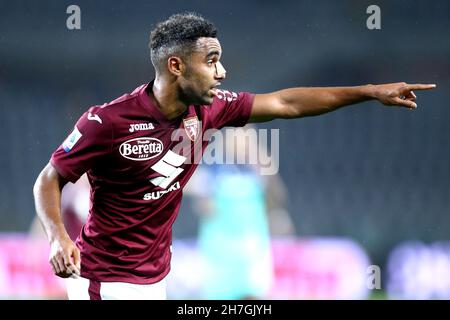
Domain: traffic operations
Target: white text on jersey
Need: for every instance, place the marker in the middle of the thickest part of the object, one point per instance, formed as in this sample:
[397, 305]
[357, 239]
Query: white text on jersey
[141, 126]
[141, 149]
[155, 195]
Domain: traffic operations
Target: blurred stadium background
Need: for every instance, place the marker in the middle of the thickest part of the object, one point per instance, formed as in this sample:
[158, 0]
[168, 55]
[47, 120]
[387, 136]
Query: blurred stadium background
[365, 185]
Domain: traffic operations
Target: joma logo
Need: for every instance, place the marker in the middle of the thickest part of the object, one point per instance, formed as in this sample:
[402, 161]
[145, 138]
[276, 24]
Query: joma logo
[141, 127]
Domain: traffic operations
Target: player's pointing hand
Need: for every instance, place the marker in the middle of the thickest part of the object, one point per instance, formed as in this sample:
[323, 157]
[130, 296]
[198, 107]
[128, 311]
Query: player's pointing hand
[399, 94]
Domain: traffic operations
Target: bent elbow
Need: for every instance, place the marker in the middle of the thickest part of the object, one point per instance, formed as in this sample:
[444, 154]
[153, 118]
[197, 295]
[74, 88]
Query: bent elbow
[37, 185]
[46, 179]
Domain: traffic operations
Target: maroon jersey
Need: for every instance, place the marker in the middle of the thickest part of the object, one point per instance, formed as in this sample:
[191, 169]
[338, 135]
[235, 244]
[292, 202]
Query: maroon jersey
[137, 168]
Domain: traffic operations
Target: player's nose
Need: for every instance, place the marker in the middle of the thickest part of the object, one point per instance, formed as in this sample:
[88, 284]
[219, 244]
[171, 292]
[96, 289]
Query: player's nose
[220, 71]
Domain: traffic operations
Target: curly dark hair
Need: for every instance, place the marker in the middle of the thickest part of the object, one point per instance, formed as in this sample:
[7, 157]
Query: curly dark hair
[178, 35]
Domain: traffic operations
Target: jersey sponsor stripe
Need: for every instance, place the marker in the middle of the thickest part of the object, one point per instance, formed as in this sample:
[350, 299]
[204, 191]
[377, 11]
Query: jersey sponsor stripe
[163, 168]
[173, 158]
[172, 177]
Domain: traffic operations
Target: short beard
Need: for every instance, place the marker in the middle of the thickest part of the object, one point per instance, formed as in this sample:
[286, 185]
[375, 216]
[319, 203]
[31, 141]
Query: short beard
[188, 96]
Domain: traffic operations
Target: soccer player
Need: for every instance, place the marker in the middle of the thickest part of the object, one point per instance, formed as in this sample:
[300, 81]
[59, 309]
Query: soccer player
[130, 150]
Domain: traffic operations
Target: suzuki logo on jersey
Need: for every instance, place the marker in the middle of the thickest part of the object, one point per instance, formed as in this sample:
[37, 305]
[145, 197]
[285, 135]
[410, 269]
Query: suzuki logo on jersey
[168, 166]
[141, 149]
[141, 127]
[191, 127]
[155, 195]
[71, 140]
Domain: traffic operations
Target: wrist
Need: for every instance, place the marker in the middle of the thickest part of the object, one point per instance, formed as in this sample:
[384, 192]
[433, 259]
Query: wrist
[58, 234]
[370, 91]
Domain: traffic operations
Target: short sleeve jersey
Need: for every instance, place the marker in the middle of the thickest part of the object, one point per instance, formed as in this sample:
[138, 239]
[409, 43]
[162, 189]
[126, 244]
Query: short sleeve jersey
[138, 162]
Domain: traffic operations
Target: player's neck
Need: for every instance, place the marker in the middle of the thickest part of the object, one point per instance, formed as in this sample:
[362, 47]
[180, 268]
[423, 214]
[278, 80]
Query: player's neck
[165, 96]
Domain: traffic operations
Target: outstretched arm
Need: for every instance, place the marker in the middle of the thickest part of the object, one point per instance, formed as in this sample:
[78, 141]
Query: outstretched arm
[304, 102]
[47, 197]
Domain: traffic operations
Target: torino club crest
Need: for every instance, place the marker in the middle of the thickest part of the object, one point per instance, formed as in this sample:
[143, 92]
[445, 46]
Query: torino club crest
[191, 127]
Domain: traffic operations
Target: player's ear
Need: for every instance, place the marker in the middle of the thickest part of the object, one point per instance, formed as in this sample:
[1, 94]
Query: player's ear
[175, 65]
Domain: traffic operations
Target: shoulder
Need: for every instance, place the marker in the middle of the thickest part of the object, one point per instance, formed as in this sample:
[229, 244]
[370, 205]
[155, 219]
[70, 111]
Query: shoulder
[228, 102]
[229, 109]
[126, 98]
[102, 113]
[225, 96]
[231, 98]
[224, 99]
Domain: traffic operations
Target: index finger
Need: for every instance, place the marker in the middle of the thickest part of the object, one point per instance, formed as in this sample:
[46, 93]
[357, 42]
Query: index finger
[70, 267]
[76, 258]
[419, 86]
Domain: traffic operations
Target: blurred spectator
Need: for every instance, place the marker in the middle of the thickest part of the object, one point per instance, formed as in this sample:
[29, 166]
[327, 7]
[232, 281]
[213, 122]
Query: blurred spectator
[239, 210]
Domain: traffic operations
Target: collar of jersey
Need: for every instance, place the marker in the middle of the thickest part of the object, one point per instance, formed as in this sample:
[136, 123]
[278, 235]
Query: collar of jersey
[154, 111]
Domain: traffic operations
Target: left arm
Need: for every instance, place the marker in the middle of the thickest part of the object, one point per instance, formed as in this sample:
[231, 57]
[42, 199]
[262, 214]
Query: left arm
[304, 102]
